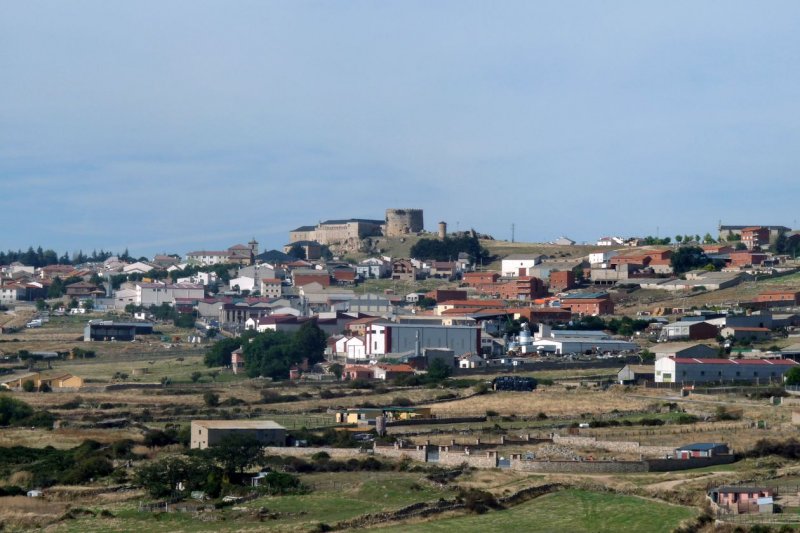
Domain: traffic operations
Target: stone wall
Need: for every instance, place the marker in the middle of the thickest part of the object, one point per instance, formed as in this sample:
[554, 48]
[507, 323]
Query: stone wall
[415, 454]
[580, 467]
[671, 465]
[614, 446]
[336, 453]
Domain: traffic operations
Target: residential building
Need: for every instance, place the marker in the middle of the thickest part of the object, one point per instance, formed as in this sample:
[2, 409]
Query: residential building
[305, 276]
[519, 264]
[374, 268]
[404, 270]
[564, 241]
[563, 280]
[743, 499]
[602, 257]
[474, 279]
[354, 348]
[83, 289]
[311, 250]
[391, 372]
[727, 232]
[208, 433]
[271, 288]
[11, 292]
[746, 258]
[138, 267]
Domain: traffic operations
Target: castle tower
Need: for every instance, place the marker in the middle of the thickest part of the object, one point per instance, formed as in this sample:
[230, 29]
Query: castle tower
[401, 222]
[442, 230]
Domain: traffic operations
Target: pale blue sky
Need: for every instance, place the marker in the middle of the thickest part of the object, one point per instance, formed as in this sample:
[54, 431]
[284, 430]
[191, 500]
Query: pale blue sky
[177, 125]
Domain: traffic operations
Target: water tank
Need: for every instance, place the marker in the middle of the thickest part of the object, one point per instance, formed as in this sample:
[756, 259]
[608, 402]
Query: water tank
[525, 338]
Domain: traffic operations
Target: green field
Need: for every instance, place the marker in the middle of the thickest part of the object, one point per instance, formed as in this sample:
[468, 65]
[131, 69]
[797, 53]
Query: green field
[572, 511]
[337, 496]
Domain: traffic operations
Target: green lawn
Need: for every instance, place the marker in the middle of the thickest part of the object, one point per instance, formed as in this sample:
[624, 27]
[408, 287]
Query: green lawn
[572, 511]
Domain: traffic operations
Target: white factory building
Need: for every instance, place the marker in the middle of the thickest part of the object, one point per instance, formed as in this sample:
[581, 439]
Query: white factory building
[560, 342]
[690, 370]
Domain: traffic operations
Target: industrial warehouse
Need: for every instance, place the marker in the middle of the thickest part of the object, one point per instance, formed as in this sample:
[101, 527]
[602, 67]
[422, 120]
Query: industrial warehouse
[669, 370]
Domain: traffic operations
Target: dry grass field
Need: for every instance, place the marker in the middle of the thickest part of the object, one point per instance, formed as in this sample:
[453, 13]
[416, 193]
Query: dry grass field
[554, 400]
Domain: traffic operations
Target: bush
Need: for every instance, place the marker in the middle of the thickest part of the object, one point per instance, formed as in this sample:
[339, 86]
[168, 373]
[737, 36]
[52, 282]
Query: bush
[402, 401]
[490, 413]
[651, 422]
[685, 418]
[478, 501]
[211, 399]
[28, 386]
[722, 413]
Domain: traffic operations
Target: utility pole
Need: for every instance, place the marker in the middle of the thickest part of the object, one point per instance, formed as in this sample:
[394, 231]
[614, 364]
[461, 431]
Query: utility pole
[512, 232]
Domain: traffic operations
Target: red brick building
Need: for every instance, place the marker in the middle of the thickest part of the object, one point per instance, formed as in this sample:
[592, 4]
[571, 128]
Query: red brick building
[562, 280]
[520, 288]
[781, 297]
[442, 295]
[300, 278]
[589, 304]
[544, 315]
[472, 279]
[745, 258]
[754, 237]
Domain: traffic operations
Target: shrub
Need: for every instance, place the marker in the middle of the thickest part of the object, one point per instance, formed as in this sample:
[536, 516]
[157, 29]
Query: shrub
[211, 399]
[685, 418]
[478, 501]
[402, 401]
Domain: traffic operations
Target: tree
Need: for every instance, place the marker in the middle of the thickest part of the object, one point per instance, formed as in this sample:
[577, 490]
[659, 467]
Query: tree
[336, 369]
[236, 452]
[678, 238]
[708, 239]
[161, 478]
[297, 251]
[13, 410]
[426, 303]
[688, 258]
[792, 377]
[211, 399]
[195, 377]
[56, 289]
[41, 305]
[220, 352]
[438, 370]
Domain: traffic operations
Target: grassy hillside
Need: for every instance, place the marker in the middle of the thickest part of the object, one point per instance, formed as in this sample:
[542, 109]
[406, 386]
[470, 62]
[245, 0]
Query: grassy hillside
[570, 510]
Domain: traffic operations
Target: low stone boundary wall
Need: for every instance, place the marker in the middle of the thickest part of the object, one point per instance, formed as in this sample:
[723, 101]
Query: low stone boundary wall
[340, 453]
[580, 467]
[671, 465]
[614, 446]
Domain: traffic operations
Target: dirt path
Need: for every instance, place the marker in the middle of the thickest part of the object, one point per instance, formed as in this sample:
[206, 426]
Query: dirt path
[671, 484]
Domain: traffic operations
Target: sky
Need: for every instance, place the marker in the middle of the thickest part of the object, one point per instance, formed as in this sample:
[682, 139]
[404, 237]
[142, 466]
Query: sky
[171, 126]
